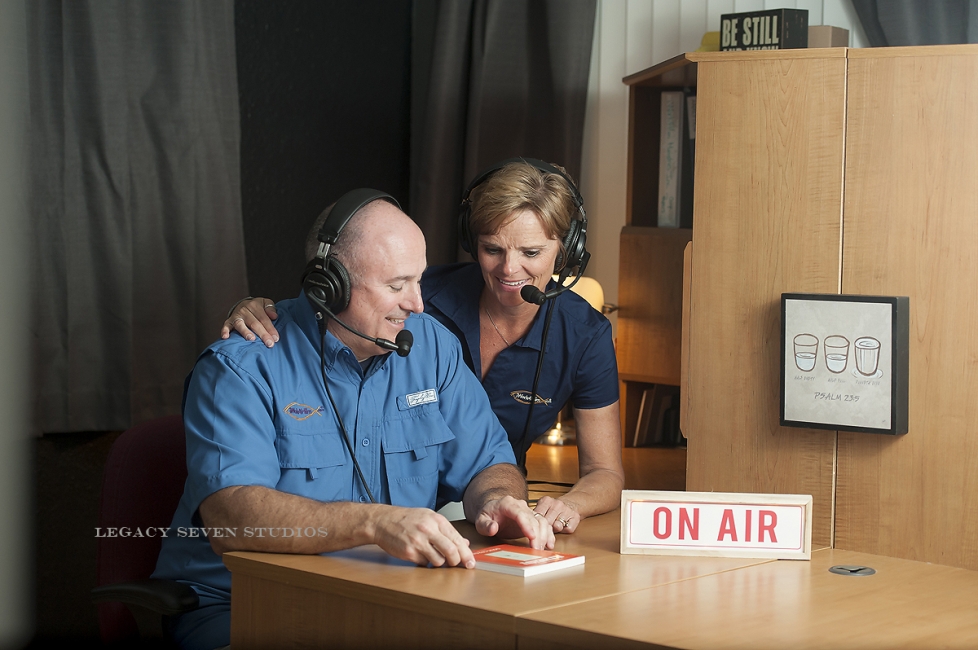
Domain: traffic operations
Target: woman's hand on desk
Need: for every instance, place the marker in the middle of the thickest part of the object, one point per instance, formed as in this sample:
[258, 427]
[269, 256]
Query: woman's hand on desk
[561, 515]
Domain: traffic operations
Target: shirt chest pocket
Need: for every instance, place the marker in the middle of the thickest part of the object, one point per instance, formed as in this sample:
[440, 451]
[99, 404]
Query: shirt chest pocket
[412, 453]
[311, 463]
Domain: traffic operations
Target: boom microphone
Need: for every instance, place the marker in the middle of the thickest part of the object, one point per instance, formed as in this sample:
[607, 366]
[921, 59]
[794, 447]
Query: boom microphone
[404, 341]
[401, 344]
[534, 296]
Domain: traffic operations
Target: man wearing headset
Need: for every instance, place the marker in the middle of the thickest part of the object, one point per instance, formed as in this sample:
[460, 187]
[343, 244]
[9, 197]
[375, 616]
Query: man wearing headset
[327, 441]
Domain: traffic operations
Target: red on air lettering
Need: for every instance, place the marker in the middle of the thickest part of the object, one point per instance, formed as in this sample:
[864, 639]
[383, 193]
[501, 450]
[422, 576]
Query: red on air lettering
[767, 521]
[727, 526]
[769, 527]
[684, 524]
[655, 523]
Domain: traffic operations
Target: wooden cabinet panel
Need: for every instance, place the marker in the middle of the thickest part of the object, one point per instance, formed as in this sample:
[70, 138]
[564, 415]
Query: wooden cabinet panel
[911, 228]
[651, 296]
[768, 219]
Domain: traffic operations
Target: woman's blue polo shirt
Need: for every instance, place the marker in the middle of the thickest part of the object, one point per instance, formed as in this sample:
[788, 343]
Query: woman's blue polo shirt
[579, 365]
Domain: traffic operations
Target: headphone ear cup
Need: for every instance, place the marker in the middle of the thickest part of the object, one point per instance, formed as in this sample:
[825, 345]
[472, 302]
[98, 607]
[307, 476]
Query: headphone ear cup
[327, 286]
[574, 245]
[340, 278]
[464, 236]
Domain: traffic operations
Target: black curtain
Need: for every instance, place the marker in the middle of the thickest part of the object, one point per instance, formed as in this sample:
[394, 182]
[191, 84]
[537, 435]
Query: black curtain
[918, 22]
[492, 79]
[136, 201]
[323, 89]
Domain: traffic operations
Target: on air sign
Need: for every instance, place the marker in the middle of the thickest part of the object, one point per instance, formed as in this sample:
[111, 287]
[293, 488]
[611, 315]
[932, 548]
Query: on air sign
[773, 526]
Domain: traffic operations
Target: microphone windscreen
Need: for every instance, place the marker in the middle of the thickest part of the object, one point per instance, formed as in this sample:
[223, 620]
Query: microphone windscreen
[404, 341]
[531, 294]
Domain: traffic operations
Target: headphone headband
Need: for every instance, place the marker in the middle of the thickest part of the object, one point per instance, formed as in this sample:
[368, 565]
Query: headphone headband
[326, 282]
[347, 206]
[542, 166]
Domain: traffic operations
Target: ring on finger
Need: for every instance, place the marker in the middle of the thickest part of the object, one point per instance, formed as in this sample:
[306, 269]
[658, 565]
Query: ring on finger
[271, 304]
[537, 514]
[563, 521]
[239, 318]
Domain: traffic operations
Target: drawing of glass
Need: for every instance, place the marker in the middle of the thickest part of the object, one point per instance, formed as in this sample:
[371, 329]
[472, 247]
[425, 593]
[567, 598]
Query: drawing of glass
[867, 355]
[836, 353]
[806, 349]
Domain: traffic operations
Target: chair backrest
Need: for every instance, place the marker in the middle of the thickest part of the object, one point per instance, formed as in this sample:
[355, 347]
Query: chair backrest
[141, 487]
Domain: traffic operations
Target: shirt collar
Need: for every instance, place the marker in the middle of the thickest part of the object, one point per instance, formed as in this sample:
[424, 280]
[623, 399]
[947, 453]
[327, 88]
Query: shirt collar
[306, 318]
[458, 299]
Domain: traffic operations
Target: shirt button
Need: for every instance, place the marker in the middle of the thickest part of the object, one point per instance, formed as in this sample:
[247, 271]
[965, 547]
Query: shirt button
[365, 442]
[363, 499]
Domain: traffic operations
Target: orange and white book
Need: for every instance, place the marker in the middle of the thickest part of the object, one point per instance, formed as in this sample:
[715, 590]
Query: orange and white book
[523, 561]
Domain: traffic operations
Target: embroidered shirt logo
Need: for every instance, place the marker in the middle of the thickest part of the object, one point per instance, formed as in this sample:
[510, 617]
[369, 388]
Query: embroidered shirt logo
[422, 397]
[523, 397]
[300, 412]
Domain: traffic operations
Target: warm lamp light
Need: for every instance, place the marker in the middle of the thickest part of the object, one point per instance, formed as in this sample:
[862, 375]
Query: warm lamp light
[590, 289]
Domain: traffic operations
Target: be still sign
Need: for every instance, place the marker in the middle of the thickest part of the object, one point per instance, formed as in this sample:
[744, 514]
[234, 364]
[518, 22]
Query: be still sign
[773, 526]
[775, 29]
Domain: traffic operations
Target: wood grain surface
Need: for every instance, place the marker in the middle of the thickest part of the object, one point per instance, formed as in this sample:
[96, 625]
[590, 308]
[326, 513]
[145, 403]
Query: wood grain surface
[768, 203]
[911, 229]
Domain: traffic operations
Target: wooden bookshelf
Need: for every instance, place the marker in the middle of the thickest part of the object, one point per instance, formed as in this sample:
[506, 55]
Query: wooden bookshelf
[650, 273]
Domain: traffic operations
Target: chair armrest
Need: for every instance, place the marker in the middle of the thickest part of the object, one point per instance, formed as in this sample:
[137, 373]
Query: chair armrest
[166, 597]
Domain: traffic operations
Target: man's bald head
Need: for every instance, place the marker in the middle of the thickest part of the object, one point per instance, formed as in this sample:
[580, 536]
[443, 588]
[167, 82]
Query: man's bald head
[368, 230]
[381, 228]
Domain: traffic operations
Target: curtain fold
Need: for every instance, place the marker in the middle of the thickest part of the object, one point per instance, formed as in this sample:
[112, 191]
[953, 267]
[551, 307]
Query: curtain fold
[492, 79]
[136, 200]
[918, 22]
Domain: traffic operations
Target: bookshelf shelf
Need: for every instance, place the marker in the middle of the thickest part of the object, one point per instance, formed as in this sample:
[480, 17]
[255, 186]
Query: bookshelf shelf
[650, 274]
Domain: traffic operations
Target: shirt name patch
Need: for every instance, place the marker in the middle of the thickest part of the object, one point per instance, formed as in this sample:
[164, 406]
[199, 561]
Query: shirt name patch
[422, 397]
[300, 412]
[523, 397]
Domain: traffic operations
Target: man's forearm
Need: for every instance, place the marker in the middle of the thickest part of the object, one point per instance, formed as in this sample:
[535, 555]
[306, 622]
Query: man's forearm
[267, 520]
[493, 483]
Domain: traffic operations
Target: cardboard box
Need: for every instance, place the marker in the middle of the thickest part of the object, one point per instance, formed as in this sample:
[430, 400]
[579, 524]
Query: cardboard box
[774, 29]
[827, 36]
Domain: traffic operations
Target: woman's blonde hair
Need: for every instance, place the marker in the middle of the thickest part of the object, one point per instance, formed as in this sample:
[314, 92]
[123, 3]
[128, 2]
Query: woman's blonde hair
[519, 186]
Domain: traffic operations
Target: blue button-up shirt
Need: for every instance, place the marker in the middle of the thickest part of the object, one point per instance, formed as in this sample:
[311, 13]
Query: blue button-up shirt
[421, 428]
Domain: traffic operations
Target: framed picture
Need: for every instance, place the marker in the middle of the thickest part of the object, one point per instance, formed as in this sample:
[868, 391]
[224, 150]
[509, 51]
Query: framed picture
[844, 362]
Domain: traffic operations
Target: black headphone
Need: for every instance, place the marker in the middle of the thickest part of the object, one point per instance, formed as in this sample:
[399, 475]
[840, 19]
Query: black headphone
[326, 282]
[575, 241]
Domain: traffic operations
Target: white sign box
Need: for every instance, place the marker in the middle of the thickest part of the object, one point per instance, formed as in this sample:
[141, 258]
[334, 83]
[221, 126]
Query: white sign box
[772, 526]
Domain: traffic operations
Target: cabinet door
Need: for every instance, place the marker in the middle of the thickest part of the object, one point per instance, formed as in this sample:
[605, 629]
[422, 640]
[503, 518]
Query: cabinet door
[911, 229]
[768, 212]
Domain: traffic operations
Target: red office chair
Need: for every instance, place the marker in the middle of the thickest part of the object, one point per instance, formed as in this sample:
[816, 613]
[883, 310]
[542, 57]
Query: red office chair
[141, 487]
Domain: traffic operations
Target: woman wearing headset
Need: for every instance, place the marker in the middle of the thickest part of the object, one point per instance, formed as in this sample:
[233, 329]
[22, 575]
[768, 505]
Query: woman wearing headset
[517, 220]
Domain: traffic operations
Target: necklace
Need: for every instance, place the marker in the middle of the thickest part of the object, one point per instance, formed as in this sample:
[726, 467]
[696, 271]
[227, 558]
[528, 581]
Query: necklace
[493, 323]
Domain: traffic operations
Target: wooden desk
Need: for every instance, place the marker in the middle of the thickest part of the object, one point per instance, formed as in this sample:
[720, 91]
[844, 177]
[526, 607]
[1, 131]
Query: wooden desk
[364, 598]
[786, 604]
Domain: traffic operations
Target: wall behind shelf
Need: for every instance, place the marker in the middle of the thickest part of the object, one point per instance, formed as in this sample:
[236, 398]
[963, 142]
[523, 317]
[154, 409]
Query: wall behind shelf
[630, 36]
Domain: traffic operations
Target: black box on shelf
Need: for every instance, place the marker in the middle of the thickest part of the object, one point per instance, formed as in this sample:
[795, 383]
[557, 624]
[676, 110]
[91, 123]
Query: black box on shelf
[773, 29]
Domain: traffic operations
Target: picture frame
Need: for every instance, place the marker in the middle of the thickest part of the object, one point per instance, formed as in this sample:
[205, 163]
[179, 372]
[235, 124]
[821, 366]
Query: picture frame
[845, 362]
